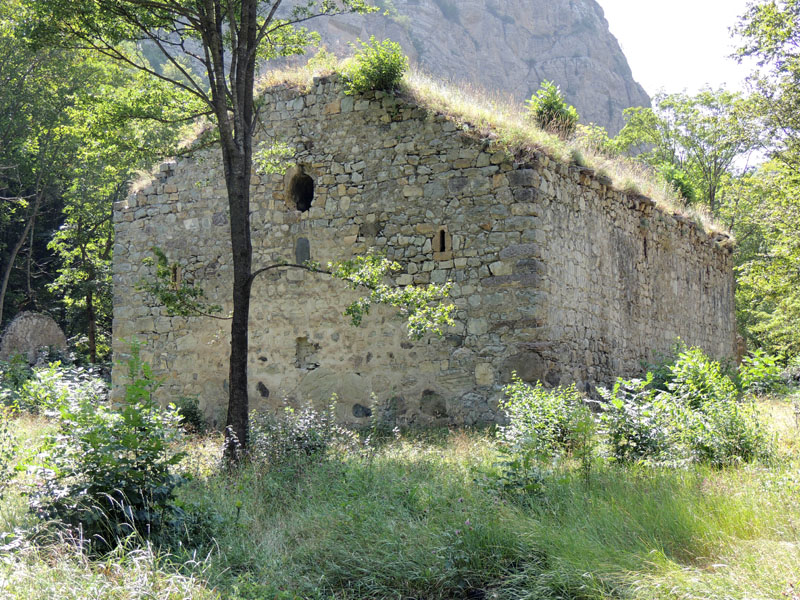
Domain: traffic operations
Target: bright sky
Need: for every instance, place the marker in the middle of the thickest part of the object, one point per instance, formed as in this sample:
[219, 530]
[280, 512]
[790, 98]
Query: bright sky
[677, 45]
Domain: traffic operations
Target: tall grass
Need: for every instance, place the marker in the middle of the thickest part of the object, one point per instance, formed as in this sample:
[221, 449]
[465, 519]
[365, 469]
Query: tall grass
[424, 518]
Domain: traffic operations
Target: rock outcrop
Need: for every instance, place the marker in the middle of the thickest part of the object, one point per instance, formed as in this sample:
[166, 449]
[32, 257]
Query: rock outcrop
[507, 47]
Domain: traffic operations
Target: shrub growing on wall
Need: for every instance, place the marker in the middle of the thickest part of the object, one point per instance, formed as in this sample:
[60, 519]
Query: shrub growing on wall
[550, 111]
[376, 66]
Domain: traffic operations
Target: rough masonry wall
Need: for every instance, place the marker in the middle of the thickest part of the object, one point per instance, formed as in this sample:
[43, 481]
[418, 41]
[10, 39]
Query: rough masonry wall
[555, 275]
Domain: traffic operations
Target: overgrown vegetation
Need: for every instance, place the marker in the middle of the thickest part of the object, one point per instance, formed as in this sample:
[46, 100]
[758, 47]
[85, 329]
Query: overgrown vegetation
[319, 511]
[548, 109]
[375, 66]
[107, 473]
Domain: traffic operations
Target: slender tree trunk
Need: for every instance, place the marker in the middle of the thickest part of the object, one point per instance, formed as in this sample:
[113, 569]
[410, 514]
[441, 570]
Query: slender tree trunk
[12, 258]
[238, 181]
[90, 316]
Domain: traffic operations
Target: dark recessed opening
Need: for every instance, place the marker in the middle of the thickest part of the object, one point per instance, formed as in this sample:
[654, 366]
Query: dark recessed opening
[302, 191]
[442, 240]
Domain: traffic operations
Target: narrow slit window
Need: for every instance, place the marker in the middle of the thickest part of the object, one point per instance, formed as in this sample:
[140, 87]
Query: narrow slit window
[442, 244]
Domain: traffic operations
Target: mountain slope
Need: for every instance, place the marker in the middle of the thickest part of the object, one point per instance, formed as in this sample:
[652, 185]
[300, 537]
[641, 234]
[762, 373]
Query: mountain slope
[507, 47]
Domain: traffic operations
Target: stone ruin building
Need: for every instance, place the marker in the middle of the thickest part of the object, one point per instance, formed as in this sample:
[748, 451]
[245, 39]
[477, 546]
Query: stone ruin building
[556, 275]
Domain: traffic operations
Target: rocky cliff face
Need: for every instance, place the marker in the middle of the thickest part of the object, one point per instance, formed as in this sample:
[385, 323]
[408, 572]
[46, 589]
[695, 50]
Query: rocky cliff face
[507, 47]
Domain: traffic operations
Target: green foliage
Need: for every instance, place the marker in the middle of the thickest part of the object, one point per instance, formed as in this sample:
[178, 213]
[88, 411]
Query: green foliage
[768, 282]
[108, 472]
[699, 417]
[273, 157]
[178, 294]
[548, 109]
[660, 367]
[8, 449]
[769, 32]
[595, 138]
[541, 422]
[723, 431]
[696, 380]
[422, 307]
[376, 66]
[693, 141]
[680, 180]
[297, 434]
[46, 389]
[192, 418]
[760, 373]
[635, 421]
[13, 375]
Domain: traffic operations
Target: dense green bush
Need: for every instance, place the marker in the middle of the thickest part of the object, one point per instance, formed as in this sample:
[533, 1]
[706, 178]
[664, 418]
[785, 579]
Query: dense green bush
[108, 471]
[543, 422]
[375, 66]
[635, 420]
[724, 431]
[45, 389]
[760, 373]
[700, 417]
[192, 418]
[13, 375]
[548, 109]
[696, 379]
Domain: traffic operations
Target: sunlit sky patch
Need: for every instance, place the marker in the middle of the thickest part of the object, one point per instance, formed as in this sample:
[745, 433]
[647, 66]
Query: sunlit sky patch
[677, 45]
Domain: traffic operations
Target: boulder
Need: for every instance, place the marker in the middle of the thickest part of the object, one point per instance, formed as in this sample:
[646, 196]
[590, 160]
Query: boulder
[30, 332]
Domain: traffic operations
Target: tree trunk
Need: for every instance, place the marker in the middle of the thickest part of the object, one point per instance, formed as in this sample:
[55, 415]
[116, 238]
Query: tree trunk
[12, 258]
[90, 316]
[238, 183]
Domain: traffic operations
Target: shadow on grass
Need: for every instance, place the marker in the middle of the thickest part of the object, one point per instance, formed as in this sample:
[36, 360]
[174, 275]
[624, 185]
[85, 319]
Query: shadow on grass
[422, 520]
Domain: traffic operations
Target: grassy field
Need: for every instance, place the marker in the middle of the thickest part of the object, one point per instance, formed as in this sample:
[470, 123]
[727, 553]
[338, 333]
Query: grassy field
[422, 516]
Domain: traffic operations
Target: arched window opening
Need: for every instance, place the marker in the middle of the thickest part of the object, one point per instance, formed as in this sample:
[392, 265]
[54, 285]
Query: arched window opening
[301, 191]
[442, 241]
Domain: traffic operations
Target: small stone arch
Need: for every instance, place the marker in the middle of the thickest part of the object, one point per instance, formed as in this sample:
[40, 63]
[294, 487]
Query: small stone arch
[299, 187]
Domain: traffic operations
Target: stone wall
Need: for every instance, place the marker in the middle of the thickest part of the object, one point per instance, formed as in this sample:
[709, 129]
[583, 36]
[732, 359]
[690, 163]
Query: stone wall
[555, 274]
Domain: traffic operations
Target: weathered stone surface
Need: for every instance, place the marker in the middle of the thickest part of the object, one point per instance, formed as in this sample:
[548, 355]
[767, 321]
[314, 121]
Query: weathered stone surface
[508, 47]
[567, 286]
[30, 332]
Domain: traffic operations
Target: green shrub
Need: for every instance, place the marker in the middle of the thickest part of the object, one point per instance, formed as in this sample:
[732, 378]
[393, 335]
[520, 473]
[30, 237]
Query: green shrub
[13, 375]
[192, 418]
[108, 472]
[760, 373]
[699, 418]
[375, 66]
[297, 434]
[548, 109]
[541, 421]
[725, 431]
[661, 366]
[8, 449]
[637, 426]
[697, 380]
[45, 389]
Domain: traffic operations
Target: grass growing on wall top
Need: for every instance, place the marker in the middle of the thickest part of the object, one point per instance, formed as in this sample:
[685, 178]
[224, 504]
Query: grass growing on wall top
[503, 123]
